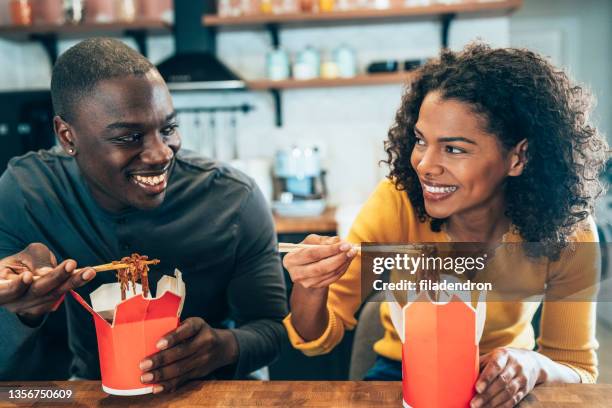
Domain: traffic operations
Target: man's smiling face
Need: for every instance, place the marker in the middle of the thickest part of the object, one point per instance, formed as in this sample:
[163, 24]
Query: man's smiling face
[125, 137]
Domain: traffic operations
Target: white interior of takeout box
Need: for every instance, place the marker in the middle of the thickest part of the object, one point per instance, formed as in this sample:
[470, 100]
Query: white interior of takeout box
[106, 298]
[397, 315]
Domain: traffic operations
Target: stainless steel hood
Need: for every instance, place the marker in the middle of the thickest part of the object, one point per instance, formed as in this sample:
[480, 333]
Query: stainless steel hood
[194, 65]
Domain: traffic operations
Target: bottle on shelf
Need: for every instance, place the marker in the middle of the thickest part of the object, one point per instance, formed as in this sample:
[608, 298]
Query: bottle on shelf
[329, 69]
[307, 6]
[265, 6]
[346, 60]
[307, 64]
[21, 12]
[326, 5]
[277, 65]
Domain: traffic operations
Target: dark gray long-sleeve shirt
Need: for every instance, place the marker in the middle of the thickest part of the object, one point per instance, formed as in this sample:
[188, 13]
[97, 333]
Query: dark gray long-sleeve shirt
[214, 225]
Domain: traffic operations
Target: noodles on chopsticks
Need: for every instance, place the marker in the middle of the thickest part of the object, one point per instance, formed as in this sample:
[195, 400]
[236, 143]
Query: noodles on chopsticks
[137, 270]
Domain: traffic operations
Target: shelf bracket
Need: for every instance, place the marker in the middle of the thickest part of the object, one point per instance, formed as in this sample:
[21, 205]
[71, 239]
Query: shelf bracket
[140, 37]
[278, 108]
[446, 22]
[49, 43]
[273, 30]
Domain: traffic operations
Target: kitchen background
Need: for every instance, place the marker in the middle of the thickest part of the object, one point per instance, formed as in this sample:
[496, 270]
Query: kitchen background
[337, 124]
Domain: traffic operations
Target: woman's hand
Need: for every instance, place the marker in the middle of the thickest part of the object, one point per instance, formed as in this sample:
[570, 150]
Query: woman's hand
[321, 266]
[507, 376]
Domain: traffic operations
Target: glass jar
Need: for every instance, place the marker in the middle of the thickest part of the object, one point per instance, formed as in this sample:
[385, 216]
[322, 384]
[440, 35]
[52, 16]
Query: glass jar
[277, 65]
[346, 60]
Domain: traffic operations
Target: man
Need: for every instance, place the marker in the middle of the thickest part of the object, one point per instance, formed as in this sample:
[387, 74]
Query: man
[117, 185]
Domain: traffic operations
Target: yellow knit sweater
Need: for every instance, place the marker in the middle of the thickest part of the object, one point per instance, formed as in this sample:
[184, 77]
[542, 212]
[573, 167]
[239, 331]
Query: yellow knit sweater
[567, 327]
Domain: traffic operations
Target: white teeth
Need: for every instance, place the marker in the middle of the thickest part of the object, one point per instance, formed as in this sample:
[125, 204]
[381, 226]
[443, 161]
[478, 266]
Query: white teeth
[439, 190]
[151, 181]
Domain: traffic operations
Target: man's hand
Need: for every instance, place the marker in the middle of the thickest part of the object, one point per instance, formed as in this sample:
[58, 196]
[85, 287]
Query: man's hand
[193, 350]
[37, 283]
[507, 376]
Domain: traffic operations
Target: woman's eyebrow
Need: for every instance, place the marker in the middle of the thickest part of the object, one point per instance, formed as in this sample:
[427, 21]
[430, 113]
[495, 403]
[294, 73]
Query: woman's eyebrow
[456, 139]
[447, 138]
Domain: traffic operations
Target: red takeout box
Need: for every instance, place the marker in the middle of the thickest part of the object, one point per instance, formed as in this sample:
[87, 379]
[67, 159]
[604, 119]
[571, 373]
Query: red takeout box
[128, 330]
[439, 349]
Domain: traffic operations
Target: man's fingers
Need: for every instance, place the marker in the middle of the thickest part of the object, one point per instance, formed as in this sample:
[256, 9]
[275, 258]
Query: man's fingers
[186, 330]
[54, 279]
[80, 278]
[174, 383]
[14, 288]
[171, 355]
[171, 371]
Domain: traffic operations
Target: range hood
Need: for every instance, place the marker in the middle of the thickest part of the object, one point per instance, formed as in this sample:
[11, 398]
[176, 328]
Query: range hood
[194, 65]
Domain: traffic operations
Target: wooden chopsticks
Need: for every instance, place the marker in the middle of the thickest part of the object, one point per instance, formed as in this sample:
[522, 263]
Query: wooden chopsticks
[284, 247]
[97, 268]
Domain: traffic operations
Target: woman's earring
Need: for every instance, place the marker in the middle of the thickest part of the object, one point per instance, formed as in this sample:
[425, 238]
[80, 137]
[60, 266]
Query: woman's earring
[71, 150]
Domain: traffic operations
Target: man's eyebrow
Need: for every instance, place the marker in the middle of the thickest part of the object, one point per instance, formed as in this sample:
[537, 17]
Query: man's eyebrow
[136, 126]
[170, 117]
[447, 139]
[124, 125]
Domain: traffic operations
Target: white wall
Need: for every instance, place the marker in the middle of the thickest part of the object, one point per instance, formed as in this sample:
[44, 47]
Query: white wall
[577, 35]
[349, 124]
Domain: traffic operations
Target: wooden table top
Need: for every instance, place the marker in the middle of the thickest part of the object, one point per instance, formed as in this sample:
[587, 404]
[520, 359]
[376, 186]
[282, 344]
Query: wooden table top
[335, 394]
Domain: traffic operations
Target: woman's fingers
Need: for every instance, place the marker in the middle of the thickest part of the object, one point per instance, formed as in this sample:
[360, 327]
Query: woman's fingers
[337, 275]
[500, 390]
[318, 269]
[494, 366]
[327, 279]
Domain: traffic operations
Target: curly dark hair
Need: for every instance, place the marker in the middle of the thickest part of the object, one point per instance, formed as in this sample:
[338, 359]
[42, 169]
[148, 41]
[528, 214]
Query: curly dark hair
[520, 95]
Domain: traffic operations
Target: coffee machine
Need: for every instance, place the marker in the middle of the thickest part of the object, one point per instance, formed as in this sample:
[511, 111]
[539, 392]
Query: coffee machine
[299, 182]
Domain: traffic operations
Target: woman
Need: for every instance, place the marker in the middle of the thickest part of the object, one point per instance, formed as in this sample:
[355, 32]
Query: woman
[489, 145]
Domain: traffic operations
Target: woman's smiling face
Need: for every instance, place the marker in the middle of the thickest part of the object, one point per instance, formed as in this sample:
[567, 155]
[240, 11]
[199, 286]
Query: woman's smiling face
[461, 167]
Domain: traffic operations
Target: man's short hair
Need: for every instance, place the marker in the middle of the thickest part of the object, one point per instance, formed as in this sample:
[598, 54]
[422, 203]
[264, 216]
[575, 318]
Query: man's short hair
[78, 71]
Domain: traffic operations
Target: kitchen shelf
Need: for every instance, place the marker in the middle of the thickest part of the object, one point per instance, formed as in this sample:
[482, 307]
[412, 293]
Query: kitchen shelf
[275, 87]
[49, 34]
[468, 7]
[359, 80]
[446, 13]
